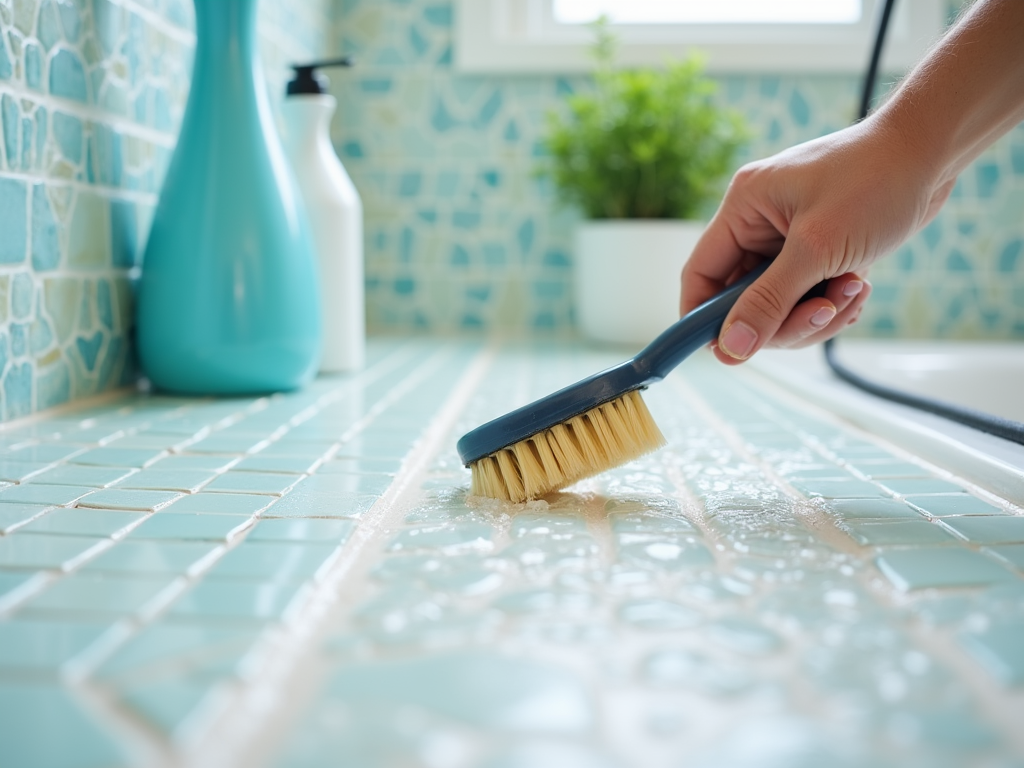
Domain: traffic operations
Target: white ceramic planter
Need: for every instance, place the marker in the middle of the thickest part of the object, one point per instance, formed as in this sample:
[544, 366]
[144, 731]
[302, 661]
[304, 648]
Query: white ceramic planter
[627, 276]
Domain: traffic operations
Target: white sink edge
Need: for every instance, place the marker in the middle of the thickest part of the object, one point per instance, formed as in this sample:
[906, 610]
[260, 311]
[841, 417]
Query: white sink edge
[990, 462]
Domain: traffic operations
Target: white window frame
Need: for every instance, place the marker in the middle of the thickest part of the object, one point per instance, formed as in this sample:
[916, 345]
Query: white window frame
[518, 36]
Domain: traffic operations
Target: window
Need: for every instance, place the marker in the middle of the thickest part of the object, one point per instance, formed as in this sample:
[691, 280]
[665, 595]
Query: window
[734, 35]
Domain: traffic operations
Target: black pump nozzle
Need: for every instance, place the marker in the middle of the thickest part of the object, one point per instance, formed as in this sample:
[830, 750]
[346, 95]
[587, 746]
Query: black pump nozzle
[307, 80]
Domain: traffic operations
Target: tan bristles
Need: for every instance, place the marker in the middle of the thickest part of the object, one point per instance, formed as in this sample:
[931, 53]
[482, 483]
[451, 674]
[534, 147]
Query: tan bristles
[586, 445]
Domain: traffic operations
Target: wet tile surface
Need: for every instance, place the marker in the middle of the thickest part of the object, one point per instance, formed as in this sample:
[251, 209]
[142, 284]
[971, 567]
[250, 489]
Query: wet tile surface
[752, 595]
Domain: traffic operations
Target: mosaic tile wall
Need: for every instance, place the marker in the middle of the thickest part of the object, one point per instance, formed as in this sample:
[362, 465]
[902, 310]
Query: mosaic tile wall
[460, 235]
[91, 95]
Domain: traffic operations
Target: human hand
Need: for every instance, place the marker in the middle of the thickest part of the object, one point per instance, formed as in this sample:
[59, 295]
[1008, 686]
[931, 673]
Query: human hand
[825, 210]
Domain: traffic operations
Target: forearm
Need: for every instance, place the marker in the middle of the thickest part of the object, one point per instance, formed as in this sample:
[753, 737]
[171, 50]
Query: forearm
[966, 93]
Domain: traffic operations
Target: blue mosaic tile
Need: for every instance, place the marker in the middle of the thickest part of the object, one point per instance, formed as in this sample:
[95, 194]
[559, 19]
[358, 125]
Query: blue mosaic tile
[45, 240]
[13, 218]
[67, 76]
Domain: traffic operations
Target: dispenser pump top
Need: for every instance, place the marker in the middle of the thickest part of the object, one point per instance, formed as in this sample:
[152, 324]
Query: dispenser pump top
[307, 80]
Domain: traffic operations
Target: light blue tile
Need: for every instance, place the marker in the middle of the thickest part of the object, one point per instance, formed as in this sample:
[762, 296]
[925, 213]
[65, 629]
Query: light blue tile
[301, 504]
[261, 463]
[43, 452]
[38, 493]
[17, 471]
[190, 526]
[117, 498]
[274, 484]
[840, 489]
[898, 532]
[338, 483]
[153, 557]
[872, 509]
[954, 505]
[34, 713]
[12, 580]
[224, 600]
[360, 466]
[117, 457]
[193, 461]
[166, 703]
[227, 444]
[92, 593]
[885, 469]
[36, 644]
[194, 648]
[911, 569]
[912, 486]
[26, 550]
[84, 522]
[221, 504]
[1011, 554]
[310, 530]
[273, 561]
[15, 515]
[1003, 529]
[70, 474]
[1000, 651]
[186, 480]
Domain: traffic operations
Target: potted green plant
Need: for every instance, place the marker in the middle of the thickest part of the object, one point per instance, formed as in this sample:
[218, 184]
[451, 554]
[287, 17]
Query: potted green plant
[642, 156]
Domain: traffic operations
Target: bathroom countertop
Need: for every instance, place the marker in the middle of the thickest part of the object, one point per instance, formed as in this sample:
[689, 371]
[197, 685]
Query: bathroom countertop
[301, 580]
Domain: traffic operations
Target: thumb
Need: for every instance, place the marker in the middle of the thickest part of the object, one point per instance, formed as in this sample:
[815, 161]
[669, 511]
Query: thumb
[763, 307]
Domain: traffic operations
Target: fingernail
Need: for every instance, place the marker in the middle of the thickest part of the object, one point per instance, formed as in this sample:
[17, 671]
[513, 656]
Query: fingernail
[738, 340]
[852, 288]
[823, 317]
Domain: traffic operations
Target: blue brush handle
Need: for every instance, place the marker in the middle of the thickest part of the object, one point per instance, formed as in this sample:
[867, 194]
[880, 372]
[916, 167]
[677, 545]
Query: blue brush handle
[688, 334]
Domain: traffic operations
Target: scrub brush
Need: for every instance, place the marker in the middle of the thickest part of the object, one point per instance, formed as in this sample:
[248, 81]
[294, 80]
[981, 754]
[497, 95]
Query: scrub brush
[593, 425]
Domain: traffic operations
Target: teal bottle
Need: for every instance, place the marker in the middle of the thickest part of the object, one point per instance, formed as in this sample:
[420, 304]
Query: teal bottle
[228, 301]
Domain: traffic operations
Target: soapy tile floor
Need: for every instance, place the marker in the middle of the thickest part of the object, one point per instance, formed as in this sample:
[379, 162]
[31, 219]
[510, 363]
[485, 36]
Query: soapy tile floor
[300, 580]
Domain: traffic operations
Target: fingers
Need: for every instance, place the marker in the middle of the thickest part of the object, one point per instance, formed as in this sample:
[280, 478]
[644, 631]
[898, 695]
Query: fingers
[764, 307]
[816, 319]
[842, 320]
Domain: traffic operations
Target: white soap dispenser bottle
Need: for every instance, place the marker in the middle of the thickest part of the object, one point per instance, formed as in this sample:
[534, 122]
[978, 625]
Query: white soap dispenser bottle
[335, 215]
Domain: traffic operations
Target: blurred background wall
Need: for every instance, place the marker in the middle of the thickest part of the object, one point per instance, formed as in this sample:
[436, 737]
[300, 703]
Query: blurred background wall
[460, 235]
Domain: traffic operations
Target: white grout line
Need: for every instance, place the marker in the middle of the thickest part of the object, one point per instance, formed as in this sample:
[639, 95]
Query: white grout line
[248, 722]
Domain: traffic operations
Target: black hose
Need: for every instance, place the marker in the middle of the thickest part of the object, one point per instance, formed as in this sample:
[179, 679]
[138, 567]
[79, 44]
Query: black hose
[985, 422]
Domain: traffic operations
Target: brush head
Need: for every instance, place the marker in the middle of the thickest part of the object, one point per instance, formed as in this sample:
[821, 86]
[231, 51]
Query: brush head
[587, 444]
